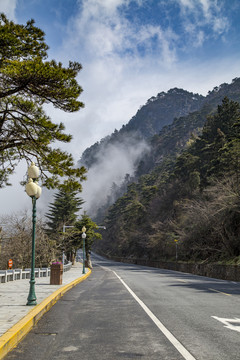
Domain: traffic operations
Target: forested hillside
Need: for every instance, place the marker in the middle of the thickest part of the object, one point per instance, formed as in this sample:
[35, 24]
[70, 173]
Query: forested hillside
[148, 121]
[185, 189]
[160, 111]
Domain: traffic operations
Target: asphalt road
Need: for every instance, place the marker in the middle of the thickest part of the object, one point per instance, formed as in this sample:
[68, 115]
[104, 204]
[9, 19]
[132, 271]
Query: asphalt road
[132, 312]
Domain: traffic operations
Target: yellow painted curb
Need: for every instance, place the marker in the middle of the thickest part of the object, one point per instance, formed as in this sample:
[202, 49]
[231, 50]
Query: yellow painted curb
[15, 334]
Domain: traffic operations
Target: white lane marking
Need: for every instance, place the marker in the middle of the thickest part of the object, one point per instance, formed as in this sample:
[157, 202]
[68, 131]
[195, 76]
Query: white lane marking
[229, 323]
[157, 322]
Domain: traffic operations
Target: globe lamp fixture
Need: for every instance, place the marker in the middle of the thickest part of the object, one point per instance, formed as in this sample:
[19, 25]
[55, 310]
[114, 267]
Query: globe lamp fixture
[33, 171]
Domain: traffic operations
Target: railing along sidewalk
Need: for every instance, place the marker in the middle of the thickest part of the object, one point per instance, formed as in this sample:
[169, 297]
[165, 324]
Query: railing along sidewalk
[19, 274]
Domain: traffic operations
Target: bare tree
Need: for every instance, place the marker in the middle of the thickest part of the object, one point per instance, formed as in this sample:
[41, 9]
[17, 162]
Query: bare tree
[16, 242]
[209, 227]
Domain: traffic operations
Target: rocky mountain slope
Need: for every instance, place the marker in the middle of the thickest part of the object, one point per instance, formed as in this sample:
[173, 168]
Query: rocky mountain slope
[126, 152]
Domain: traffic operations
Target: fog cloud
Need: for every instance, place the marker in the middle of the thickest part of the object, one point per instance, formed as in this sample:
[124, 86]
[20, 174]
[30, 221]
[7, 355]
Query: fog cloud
[114, 161]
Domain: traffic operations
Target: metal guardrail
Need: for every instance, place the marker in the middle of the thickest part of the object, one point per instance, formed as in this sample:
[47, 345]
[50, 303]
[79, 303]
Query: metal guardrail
[67, 266]
[19, 274]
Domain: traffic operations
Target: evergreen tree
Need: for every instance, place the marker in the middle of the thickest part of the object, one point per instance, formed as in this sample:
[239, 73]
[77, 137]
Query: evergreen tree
[27, 82]
[63, 211]
[215, 145]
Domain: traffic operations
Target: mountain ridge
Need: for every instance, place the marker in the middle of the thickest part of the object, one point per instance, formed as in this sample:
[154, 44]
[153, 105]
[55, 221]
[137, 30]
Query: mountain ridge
[170, 141]
[149, 119]
[190, 196]
[159, 111]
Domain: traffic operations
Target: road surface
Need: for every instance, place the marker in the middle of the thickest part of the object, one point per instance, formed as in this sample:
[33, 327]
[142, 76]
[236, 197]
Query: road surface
[133, 312]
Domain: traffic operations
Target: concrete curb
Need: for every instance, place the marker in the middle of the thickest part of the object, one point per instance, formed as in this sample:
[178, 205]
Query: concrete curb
[14, 335]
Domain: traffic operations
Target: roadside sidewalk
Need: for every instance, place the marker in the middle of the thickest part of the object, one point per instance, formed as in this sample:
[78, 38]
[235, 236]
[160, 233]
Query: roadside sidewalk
[17, 319]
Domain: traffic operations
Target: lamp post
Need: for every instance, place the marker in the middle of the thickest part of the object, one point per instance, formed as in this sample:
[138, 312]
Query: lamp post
[84, 237]
[34, 191]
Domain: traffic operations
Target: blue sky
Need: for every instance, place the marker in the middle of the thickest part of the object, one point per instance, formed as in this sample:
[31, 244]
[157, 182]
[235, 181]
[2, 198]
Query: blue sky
[131, 50]
[190, 28]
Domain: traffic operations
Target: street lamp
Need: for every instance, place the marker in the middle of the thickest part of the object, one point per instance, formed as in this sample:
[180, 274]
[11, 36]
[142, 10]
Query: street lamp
[34, 191]
[84, 237]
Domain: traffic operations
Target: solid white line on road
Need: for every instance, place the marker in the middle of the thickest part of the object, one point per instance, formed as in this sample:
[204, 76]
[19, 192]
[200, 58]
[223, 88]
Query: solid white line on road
[183, 351]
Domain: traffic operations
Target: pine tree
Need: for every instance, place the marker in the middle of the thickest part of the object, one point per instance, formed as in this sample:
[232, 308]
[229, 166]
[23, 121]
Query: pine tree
[27, 82]
[63, 211]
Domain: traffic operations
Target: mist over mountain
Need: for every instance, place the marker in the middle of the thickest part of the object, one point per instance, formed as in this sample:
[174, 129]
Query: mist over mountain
[160, 127]
[149, 120]
[112, 162]
[109, 160]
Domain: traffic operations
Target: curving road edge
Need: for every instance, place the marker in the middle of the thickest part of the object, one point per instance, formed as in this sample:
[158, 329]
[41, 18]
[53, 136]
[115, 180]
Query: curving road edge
[15, 334]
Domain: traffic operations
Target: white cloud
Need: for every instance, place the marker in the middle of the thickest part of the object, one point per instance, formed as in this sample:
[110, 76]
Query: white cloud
[186, 4]
[206, 5]
[8, 7]
[203, 14]
[116, 76]
[102, 30]
[220, 25]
